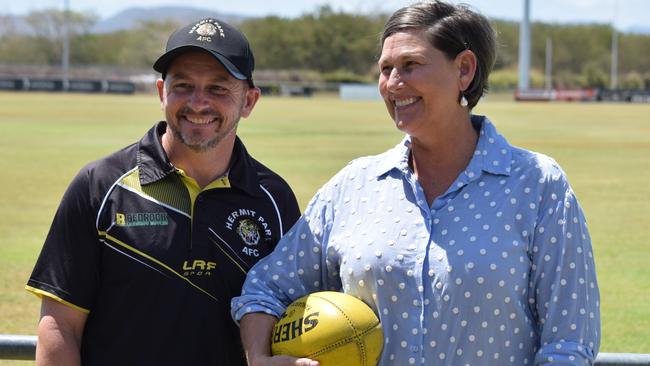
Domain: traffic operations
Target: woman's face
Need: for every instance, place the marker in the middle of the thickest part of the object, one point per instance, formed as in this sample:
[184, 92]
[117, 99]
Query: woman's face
[418, 83]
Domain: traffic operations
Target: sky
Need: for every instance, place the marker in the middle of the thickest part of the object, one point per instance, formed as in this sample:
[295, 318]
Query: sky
[625, 14]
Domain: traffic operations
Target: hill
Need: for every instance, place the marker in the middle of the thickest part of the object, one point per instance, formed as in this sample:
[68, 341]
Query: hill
[127, 19]
[134, 17]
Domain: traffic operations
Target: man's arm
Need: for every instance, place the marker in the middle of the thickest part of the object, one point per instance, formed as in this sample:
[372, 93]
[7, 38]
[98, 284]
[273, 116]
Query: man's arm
[256, 329]
[59, 334]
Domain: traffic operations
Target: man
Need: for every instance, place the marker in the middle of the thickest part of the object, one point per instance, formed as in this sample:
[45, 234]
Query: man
[150, 243]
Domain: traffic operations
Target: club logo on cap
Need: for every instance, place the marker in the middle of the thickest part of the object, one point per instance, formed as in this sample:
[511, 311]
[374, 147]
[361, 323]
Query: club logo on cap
[206, 29]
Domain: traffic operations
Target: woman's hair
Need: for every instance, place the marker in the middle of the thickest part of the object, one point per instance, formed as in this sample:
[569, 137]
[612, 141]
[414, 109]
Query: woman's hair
[451, 29]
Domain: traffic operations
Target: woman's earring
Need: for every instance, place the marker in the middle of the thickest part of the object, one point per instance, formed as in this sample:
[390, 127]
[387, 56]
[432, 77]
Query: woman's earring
[463, 101]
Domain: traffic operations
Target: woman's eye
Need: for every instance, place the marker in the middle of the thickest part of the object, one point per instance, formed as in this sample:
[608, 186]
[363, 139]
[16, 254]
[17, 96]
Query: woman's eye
[182, 86]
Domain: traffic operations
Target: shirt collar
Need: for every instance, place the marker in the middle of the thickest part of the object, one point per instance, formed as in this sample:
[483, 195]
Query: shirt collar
[395, 158]
[153, 163]
[243, 170]
[493, 153]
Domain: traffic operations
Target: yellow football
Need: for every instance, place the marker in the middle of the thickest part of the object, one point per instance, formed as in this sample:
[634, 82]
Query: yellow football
[331, 327]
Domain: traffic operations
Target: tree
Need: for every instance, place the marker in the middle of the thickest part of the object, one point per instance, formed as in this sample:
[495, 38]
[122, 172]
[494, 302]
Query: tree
[325, 41]
[49, 29]
[334, 45]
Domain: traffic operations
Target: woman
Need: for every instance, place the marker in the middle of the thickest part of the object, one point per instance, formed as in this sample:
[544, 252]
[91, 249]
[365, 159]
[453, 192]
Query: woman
[470, 250]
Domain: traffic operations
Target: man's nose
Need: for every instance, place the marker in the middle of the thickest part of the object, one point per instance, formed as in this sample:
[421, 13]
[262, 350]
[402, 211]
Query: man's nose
[198, 100]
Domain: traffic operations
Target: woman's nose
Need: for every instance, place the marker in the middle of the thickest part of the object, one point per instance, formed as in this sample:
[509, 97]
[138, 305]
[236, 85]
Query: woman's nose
[395, 81]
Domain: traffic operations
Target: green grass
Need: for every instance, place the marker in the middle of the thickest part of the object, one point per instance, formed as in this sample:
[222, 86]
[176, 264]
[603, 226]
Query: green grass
[604, 148]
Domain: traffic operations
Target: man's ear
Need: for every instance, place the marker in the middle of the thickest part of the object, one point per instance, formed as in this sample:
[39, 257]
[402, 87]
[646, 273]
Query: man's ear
[160, 86]
[251, 98]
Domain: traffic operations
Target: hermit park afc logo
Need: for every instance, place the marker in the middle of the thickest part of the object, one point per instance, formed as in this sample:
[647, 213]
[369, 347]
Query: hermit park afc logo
[248, 231]
[206, 29]
[141, 219]
[251, 227]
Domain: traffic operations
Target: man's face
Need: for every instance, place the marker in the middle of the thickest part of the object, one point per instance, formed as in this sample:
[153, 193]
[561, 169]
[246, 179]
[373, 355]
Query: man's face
[202, 101]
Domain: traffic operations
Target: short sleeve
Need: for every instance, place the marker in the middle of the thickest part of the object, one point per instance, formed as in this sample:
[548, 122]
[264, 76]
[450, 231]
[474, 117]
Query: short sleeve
[67, 268]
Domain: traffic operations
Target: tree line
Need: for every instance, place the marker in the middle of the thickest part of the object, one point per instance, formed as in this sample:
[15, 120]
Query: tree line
[336, 46]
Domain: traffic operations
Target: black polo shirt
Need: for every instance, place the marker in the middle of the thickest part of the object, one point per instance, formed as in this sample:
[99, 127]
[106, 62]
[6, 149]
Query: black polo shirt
[154, 266]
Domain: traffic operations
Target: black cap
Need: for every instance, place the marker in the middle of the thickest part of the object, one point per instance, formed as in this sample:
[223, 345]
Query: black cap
[225, 42]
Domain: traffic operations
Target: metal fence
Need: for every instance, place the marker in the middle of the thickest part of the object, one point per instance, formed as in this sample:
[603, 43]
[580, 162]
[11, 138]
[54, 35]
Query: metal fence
[17, 347]
[21, 347]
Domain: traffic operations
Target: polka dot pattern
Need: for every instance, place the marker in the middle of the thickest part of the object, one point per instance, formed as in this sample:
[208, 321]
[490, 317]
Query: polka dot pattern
[495, 270]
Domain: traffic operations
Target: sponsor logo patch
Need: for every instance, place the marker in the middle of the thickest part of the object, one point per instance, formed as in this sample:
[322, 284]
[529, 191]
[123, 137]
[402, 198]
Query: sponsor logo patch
[141, 219]
[198, 267]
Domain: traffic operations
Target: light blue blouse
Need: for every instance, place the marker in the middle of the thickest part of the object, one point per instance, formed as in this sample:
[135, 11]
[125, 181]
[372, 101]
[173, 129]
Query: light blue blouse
[498, 271]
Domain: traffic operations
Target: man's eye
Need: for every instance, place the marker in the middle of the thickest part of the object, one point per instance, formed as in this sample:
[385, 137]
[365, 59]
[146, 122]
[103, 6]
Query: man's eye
[218, 89]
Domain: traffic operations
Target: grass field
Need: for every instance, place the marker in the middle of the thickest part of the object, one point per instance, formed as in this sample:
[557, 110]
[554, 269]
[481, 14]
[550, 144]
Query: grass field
[604, 148]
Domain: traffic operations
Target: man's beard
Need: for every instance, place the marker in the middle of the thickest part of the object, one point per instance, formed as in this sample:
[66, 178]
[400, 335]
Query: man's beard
[199, 145]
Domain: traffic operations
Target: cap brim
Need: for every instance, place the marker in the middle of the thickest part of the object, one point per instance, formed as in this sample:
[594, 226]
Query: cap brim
[162, 64]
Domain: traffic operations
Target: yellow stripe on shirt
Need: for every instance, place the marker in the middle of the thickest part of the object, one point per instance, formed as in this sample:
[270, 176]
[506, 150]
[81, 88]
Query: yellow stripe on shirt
[40, 293]
[145, 255]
